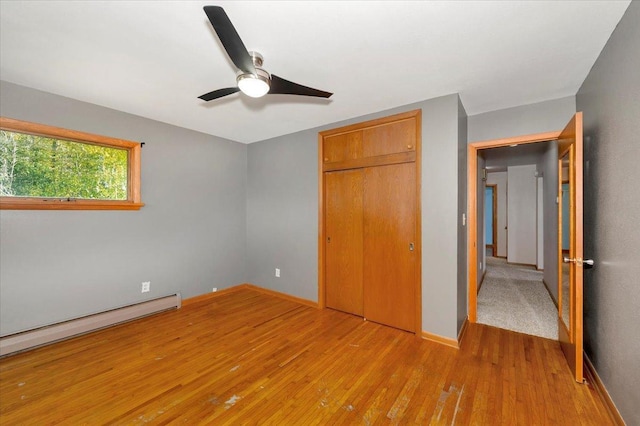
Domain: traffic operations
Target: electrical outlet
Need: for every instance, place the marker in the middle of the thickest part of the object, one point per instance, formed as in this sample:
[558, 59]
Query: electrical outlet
[146, 286]
[215, 289]
[278, 272]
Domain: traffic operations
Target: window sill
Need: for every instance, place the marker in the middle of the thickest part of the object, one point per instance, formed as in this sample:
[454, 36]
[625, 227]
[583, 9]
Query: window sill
[10, 203]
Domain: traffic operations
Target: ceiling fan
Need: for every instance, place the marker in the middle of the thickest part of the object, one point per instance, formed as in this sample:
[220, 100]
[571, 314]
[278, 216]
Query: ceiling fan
[253, 80]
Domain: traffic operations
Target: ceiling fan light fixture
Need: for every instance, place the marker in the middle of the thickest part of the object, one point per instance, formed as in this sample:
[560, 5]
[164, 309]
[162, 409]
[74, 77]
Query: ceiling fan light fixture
[254, 85]
[252, 80]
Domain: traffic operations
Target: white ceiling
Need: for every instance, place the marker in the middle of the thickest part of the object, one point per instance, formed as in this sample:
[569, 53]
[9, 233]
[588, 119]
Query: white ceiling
[154, 58]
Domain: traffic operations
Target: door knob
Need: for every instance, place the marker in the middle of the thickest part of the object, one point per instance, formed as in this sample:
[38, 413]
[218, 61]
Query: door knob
[587, 263]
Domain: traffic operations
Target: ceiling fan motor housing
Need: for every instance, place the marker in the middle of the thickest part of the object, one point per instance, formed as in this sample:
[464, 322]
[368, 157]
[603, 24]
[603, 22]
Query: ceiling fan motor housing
[253, 80]
[257, 59]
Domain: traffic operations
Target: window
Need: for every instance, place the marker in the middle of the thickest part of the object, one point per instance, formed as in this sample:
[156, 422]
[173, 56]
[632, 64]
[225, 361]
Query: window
[44, 167]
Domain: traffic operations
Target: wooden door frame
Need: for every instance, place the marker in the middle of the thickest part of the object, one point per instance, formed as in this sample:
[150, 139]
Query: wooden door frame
[472, 205]
[417, 115]
[494, 218]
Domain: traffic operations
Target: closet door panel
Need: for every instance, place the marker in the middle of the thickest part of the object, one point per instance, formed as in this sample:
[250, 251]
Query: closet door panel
[346, 146]
[343, 244]
[390, 138]
[389, 233]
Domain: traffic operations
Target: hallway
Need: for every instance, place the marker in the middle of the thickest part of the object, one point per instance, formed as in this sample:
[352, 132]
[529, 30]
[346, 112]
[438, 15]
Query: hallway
[514, 297]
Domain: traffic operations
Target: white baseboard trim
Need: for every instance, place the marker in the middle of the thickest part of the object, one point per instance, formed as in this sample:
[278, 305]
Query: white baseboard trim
[64, 330]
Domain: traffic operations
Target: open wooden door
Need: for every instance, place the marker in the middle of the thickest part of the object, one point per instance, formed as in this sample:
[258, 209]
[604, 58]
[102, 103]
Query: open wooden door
[570, 270]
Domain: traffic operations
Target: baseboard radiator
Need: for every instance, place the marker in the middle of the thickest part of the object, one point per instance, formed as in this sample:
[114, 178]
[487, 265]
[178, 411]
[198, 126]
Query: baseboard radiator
[53, 333]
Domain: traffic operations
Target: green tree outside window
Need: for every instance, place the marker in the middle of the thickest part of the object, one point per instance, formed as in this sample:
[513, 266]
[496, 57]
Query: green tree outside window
[37, 166]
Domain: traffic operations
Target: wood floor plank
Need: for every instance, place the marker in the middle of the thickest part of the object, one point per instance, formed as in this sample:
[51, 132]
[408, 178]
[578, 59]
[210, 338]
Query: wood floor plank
[246, 357]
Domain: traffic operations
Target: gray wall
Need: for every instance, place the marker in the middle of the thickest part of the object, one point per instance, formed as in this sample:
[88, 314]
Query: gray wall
[522, 120]
[462, 210]
[190, 236]
[217, 213]
[282, 212]
[610, 99]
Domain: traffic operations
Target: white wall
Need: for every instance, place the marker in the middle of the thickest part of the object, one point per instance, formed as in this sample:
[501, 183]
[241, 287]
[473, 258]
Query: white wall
[500, 180]
[540, 222]
[521, 215]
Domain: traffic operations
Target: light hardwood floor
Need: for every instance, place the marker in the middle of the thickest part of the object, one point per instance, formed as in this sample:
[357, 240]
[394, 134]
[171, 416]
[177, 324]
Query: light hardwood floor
[245, 357]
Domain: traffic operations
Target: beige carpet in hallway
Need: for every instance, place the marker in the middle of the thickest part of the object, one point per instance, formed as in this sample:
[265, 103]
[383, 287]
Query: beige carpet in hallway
[513, 297]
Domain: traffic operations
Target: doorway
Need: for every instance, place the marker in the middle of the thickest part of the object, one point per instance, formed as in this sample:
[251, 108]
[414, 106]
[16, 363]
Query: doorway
[569, 148]
[476, 248]
[512, 294]
[491, 218]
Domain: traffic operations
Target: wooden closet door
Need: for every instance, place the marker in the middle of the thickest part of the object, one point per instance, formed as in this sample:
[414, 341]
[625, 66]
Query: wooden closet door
[389, 233]
[343, 244]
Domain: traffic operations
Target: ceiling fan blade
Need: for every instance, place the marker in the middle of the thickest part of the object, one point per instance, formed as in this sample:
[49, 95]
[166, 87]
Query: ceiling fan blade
[285, 87]
[218, 93]
[230, 39]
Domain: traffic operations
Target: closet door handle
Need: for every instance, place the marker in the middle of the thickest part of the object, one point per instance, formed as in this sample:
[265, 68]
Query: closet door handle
[410, 246]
